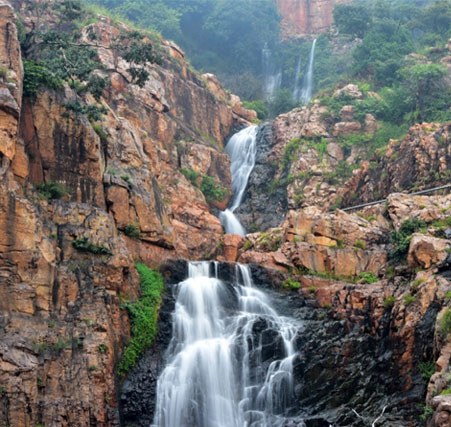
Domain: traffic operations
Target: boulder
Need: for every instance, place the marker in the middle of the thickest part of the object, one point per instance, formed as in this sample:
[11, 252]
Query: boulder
[427, 251]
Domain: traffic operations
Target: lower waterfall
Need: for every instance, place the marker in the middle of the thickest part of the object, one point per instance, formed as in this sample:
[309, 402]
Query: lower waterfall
[215, 376]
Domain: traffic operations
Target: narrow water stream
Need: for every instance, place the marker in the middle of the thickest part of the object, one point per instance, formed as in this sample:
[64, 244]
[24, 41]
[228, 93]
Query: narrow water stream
[218, 373]
[242, 149]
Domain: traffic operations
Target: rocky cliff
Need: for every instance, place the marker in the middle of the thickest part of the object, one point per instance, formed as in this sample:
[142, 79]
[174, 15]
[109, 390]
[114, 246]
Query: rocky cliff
[67, 258]
[82, 200]
[302, 18]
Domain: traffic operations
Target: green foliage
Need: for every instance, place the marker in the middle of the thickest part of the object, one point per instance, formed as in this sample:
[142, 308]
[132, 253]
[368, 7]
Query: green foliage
[409, 299]
[368, 277]
[445, 392]
[190, 175]
[401, 239]
[143, 317]
[85, 245]
[102, 348]
[102, 134]
[359, 244]
[37, 75]
[291, 284]
[427, 369]
[445, 323]
[428, 411]
[281, 102]
[132, 230]
[3, 73]
[259, 106]
[352, 19]
[52, 190]
[212, 189]
[389, 302]
[92, 112]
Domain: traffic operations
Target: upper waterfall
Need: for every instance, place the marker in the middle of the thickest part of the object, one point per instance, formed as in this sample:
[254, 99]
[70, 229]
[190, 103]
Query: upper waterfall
[272, 77]
[296, 90]
[307, 85]
[242, 149]
[216, 374]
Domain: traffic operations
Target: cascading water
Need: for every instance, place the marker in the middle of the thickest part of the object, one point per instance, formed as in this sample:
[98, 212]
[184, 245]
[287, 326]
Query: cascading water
[242, 149]
[297, 90]
[306, 93]
[215, 376]
[272, 78]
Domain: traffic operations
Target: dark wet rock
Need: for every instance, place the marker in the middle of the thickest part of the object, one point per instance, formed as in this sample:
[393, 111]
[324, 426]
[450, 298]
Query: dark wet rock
[264, 206]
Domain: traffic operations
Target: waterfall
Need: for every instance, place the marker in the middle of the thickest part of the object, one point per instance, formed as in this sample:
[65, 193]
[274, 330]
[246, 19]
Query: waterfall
[297, 90]
[306, 93]
[272, 78]
[242, 149]
[215, 376]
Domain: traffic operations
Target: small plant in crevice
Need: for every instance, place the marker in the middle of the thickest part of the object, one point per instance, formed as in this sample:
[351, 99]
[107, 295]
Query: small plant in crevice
[427, 413]
[367, 277]
[291, 284]
[52, 190]
[389, 302]
[85, 245]
[132, 230]
[102, 348]
[127, 179]
[143, 317]
[445, 323]
[427, 369]
[409, 300]
[190, 175]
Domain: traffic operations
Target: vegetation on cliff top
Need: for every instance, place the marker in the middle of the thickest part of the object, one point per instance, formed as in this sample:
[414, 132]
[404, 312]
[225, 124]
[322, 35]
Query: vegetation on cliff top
[143, 317]
[62, 47]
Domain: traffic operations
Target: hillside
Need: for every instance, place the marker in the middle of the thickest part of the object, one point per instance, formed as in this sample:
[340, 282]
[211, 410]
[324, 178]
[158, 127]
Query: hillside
[118, 279]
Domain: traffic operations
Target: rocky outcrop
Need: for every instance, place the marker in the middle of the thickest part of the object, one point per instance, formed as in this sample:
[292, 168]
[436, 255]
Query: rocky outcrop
[419, 161]
[306, 17]
[67, 266]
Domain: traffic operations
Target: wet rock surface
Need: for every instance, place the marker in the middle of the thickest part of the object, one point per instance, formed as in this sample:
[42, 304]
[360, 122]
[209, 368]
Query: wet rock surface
[262, 208]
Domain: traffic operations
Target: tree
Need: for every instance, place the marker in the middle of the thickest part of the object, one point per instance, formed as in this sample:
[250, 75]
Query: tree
[352, 19]
[424, 82]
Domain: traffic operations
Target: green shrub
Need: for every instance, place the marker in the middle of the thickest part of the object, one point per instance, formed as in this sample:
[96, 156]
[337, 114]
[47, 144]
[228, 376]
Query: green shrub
[190, 175]
[37, 75]
[427, 413]
[83, 244]
[415, 284]
[445, 323]
[368, 277]
[401, 239]
[446, 392]
[102, 134]
[212, 189]
[103, 348]
[3, 72]
[409, 299]
[52, 190]
[259, 107]
[360, 244]
[427, 369]
[143, 317]
[389, 302]
[291, 284]
[132, 230]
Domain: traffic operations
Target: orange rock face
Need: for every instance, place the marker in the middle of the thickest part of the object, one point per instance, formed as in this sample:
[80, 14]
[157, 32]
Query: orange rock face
[63, 328]
[306, 17]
